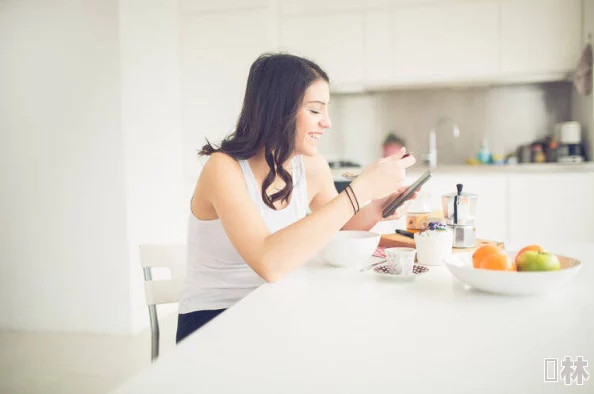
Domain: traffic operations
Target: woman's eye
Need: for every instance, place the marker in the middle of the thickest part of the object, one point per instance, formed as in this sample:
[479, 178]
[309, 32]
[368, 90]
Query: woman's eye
[313, 111]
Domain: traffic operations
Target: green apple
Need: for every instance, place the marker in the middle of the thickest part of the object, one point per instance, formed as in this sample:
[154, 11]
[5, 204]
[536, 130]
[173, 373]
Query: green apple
[532, 260]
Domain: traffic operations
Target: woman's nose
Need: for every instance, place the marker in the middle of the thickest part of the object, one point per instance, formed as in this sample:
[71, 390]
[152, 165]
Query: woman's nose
[326, 123]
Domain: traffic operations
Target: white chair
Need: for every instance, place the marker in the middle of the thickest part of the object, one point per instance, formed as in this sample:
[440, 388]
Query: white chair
[161, 291]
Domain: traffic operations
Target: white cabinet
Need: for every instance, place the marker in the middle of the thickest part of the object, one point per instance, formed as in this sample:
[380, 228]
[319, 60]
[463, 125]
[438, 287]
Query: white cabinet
[215, 59]
[539, 36]
[378, 57]
[201, 6]
[457, 41]
[551, 207]
[404, 42]
[309, 7]
[529, 208]
[334, 41]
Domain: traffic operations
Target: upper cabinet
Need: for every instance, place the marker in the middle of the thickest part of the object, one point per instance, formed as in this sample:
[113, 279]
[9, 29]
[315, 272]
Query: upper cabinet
[394, 43]
[378, 54]
[539, 37]
[445, 42]
[334, 41]
[187, 7]
[310, 7]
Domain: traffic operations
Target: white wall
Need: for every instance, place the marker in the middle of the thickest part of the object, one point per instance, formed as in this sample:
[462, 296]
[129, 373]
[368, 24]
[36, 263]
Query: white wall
[90, 159]
[157, 206]
[63, 250]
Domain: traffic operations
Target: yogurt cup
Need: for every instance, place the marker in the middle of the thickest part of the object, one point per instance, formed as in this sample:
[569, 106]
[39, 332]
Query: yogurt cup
[434, 244]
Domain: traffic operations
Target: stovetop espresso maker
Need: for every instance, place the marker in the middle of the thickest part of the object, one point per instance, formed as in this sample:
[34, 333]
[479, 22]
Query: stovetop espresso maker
[459, 211]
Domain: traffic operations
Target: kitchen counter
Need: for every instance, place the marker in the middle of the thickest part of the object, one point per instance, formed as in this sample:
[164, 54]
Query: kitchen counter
[331, 330]
[545, 168]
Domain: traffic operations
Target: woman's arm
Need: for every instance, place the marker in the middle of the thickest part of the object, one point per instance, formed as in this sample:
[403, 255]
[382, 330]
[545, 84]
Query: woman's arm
[274, 255]
[325, 191]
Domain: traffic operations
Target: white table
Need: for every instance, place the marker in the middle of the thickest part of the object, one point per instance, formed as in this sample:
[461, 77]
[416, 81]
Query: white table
[330, 330]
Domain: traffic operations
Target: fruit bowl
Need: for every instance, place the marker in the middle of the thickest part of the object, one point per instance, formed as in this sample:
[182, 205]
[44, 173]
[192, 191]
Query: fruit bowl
[511, 282]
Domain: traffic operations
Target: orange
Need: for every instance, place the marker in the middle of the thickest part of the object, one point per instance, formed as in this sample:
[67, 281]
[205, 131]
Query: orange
[483, 252]
[496, 261]
[536, 248]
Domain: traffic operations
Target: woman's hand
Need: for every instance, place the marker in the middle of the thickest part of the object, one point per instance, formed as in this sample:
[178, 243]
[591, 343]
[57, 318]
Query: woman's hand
[380, 179]
[379, 205]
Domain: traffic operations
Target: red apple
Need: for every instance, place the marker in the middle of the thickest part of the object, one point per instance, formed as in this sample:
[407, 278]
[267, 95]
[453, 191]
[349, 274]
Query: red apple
[537, 261]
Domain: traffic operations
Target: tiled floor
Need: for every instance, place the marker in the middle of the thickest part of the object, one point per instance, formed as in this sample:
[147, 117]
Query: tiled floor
[74, 363]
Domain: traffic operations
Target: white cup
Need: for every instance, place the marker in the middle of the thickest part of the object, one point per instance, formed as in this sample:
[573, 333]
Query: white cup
[432, 250]
[400, 260]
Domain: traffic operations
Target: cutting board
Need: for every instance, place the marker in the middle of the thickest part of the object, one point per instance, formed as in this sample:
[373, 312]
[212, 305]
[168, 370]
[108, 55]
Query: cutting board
[399, 240]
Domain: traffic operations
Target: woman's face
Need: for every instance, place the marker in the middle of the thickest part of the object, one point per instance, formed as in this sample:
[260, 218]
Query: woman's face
[312, 118]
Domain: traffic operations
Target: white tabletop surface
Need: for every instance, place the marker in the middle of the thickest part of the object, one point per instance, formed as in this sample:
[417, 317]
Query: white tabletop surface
[333, 330]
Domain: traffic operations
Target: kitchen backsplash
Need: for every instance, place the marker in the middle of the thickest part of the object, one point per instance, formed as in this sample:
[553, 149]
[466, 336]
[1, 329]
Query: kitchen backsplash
[507, 116]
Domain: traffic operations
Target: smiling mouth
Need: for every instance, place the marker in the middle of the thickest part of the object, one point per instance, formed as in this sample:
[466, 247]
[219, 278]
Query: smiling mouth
[315, 136]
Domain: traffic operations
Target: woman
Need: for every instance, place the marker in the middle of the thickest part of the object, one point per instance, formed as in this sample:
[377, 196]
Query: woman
[248, 224]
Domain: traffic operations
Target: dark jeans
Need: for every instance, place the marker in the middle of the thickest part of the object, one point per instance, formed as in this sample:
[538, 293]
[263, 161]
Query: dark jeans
[187, 323]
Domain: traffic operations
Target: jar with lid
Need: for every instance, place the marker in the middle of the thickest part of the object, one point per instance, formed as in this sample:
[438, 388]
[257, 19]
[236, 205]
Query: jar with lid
[419, 210]
[538, 156]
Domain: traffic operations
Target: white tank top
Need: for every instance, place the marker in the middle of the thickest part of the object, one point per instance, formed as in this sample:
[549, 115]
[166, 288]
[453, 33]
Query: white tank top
[216, 275]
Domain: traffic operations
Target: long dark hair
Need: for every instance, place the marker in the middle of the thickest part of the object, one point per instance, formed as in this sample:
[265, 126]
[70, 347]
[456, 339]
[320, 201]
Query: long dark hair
[275, 89]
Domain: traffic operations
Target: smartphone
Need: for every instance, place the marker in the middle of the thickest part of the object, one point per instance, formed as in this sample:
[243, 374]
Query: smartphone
[407, 194]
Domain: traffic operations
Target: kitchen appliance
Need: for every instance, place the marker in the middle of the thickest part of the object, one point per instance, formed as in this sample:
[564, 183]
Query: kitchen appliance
[569, 135]
[459, 210]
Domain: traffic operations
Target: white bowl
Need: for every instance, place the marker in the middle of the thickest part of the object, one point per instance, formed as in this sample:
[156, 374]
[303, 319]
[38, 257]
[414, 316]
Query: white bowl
[511, 282]
[350, 248]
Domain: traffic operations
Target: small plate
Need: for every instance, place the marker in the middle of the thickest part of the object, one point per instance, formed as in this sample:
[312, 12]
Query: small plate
[384, 271]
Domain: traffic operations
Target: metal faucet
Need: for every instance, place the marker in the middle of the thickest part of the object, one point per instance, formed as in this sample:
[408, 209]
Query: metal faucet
[431, 157]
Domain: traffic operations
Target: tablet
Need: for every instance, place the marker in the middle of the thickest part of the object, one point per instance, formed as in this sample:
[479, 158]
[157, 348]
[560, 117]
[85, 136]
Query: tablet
[407, 194]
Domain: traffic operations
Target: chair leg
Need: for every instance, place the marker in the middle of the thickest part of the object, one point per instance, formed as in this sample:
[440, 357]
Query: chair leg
[154, 332]
[153, 320]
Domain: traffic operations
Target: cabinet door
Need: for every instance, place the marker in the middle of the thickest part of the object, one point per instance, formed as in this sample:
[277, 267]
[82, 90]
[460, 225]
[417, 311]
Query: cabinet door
[195, 6]
[216, 55]
[335, 42]
[540, 36]
[552, 207]
[445, 42]
[311, 7]
[378, 59]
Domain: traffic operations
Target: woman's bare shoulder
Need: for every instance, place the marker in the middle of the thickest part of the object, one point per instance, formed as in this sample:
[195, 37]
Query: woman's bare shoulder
[220, 170]
[220, 163]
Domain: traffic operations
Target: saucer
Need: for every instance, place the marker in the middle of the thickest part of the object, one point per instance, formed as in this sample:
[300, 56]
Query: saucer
[384, 271]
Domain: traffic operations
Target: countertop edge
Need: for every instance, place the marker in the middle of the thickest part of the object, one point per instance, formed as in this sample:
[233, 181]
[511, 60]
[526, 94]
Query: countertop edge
[546, 168]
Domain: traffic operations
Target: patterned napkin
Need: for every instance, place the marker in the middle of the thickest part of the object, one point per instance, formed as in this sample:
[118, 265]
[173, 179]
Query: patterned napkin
[379, 252]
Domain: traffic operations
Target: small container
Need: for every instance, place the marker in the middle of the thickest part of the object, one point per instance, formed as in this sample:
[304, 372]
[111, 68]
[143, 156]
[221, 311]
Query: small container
[434, 245]
[484, 155]
[498, 160]
[417, 221]
[538, 156]
[552, 150]
[419, 210]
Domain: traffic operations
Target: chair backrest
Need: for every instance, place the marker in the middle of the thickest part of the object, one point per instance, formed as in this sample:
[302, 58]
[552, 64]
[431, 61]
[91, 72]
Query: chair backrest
[171, 256]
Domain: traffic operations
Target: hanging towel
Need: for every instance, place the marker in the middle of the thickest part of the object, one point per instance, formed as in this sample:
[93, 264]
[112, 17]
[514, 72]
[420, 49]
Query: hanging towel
[582, 79]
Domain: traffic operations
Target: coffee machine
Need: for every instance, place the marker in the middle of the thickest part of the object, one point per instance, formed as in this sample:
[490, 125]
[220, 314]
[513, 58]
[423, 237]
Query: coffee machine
[569, 135]
[459, 210]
